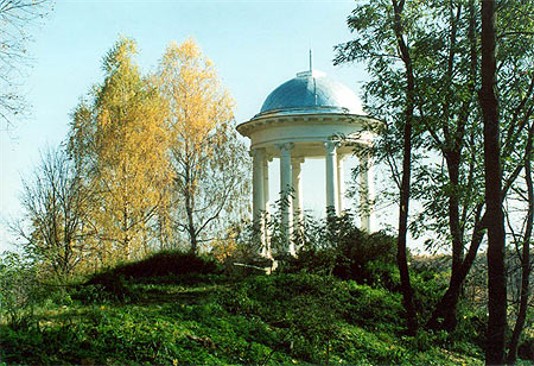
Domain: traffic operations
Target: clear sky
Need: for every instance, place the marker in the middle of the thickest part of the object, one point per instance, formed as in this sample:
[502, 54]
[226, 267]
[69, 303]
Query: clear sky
[255, 45]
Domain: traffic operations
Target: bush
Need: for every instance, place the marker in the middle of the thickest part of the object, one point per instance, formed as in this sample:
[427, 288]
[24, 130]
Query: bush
[368, 259]
[337, 247]
[312, 260]
[429, 282]
[20, 291]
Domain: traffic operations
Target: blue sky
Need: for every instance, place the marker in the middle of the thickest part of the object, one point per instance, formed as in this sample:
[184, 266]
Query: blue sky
[255, 45]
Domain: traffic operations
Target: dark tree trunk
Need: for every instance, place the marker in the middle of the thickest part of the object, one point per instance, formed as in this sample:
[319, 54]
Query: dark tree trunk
[525, 257]
[402, 261]
[191, 229]
[190, 208]
[495, 344]
[453, 165]
[444, 315]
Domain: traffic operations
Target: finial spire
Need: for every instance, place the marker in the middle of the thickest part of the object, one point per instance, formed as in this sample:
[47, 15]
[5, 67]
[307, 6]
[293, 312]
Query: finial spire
[310, 60]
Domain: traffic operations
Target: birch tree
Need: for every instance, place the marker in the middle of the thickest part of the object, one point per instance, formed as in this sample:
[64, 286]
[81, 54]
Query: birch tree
[209, 162]
[118, 137]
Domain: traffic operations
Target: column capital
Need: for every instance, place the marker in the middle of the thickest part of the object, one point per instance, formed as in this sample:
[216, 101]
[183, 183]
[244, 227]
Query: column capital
[285, 146]
[298, 160]
[256, 151]
[331, 146]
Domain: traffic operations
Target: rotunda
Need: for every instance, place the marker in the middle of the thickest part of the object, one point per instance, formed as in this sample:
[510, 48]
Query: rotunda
[309, 116]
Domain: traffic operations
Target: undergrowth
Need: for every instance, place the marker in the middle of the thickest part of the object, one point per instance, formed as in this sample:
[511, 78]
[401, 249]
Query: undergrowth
[293, 318]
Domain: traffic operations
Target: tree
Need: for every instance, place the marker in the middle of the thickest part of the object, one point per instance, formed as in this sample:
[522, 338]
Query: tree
[119, 139]
[402, 261]
[523, 245]
[517, 37]
[445, 56]
[208, 159]
[521, 235]
[54, 201]
[16, 18]
[384, 31]
[516, 94]
[489, 104]
[446, 67]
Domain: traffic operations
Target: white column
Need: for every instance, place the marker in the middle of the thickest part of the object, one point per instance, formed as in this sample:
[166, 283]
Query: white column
[265, 230]
[365, 202]
[266, 182]
[285, 192]
[370, 189]
[298, 213]
[340, 182]
[258, 157]
[331, 176]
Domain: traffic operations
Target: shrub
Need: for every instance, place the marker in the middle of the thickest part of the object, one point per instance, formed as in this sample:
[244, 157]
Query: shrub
[368, 259]
[336, 246]
[112, 285]
[312, 260]
[20, 290]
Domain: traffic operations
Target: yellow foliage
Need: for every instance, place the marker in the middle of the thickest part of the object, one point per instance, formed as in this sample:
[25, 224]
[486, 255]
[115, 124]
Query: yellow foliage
[156, 151]
[197, 102]
[221, 250]
[124, 143]
[199, 113]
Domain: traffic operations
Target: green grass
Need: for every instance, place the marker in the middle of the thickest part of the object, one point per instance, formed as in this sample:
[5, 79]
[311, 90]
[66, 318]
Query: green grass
[175, 309]
[211, 320]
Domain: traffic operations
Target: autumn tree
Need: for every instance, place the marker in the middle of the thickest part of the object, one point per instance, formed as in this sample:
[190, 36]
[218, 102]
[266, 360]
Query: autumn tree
[209, 162]
[119, 139]
[54, 201]
[17, 17]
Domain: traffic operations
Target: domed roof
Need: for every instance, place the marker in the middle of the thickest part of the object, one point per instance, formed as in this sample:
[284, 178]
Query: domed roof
[311, 92]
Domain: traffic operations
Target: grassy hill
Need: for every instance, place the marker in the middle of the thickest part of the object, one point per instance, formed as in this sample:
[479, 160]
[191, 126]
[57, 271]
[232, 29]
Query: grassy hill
[155, 312]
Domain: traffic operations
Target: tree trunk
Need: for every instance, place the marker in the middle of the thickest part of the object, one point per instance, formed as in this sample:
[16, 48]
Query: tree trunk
[402, 261]
[191, 229]
[453, 166]
[493, 175]
[444, 315]
[525, 258]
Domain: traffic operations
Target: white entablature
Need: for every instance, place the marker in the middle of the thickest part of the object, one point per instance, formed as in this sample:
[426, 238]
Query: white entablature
[309, 116]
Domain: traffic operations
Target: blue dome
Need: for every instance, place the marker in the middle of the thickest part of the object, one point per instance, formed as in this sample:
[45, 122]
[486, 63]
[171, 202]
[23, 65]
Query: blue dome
[311, 93]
